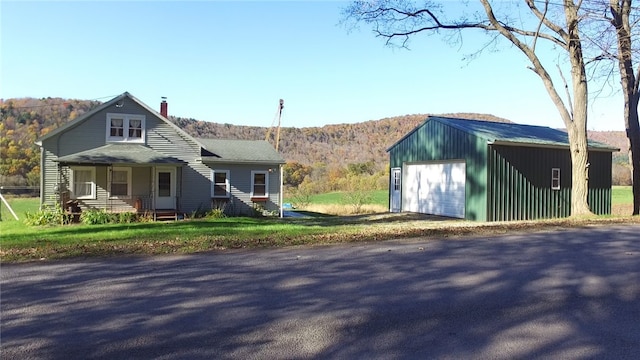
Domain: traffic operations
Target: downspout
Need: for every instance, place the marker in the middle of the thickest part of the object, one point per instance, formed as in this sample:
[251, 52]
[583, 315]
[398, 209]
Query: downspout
[41, 176]
[281, 192]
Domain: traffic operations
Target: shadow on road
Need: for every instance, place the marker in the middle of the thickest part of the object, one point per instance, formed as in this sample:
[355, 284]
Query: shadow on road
[566, 294]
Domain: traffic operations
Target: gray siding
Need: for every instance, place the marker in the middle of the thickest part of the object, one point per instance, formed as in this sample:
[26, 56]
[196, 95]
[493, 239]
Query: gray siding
[159, 135]
[192, 178]
[49, 178]
[240, 202]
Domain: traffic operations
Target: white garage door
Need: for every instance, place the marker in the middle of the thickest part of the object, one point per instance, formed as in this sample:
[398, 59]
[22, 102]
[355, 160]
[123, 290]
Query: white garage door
[436, 189]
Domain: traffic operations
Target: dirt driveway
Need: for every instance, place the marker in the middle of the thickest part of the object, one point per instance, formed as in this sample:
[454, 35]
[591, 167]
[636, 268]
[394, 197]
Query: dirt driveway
[570, 294]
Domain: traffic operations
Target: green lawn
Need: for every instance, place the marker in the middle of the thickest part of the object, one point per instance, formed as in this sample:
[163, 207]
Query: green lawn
[19, 206]
[621, 195]
[19, 242]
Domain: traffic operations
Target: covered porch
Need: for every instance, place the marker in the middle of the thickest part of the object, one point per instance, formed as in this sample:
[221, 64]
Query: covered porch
[121, 178]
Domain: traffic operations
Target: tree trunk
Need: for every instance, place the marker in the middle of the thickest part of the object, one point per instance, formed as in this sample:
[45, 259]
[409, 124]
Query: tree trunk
[577, 129]
[629, 81]
[633, 134]
[579, 171]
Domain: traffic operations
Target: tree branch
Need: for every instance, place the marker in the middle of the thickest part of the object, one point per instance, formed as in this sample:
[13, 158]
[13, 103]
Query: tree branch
[544, 16]
[538, 68]
[566, 89]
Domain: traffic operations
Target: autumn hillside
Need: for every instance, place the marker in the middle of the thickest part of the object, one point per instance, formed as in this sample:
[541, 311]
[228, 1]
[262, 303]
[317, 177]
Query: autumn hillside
[26, 119]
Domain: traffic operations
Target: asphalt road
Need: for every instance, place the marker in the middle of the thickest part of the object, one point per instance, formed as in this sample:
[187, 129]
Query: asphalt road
[571, 294]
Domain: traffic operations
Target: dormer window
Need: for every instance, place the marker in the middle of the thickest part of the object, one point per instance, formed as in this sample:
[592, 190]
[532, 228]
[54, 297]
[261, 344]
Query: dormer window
[125, 128]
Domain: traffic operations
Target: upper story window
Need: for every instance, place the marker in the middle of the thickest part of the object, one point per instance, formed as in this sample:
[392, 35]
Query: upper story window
[125, 128]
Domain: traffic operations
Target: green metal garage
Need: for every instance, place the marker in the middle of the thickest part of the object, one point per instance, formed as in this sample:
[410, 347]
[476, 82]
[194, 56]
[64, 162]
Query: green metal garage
[491, 171]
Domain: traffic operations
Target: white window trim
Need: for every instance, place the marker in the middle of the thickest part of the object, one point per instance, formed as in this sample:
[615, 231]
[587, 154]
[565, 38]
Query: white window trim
[266, 183]
[227, 184]
[91, 196]
[126, 119]
[117, 168]
[555, 177]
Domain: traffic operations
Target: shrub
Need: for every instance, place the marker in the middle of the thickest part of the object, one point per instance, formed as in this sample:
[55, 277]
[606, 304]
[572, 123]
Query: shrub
[127, 217]
[94, 217]
[358, 192]
[47, 215]
[216, 214]
[198, 213]
[302, 195]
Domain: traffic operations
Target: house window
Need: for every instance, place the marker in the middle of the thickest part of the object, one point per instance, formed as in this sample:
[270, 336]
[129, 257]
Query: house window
[555, 179]
[220, 184]
[259, 184]
[116, 129]
[125, 128]
[120, 186]
[83, 180]
[135, 129]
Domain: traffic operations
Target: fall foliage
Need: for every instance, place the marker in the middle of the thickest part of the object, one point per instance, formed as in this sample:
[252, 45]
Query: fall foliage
[324, 155]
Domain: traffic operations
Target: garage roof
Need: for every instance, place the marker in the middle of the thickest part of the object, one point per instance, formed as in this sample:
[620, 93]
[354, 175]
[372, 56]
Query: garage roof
[497, 133]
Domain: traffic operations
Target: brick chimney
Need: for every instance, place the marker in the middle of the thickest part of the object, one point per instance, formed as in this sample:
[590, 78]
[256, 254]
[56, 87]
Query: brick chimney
[163, 107]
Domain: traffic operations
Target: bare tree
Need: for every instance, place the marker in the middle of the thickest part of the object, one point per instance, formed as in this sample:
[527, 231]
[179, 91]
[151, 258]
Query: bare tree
[553, 22]
[621, 20]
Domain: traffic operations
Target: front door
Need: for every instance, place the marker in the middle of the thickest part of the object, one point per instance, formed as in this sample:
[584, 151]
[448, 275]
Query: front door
[165, 188]
[395, 190]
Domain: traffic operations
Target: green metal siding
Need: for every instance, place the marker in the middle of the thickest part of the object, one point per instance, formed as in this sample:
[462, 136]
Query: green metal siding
[434, 141]
[506, 182]
[600, 182]
[520, 183]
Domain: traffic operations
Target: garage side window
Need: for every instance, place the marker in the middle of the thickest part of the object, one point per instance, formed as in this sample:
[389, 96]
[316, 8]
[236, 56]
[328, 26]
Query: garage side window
[555, 179]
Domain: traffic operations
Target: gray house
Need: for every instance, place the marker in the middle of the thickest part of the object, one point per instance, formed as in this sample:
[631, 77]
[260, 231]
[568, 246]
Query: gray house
[489, 171]
[124, 156]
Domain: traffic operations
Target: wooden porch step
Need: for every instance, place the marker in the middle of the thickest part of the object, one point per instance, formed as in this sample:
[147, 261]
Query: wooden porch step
[168, 214]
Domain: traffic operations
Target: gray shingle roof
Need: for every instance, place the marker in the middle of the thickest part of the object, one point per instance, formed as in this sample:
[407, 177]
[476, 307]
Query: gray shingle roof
[240, 151]
[119, 154]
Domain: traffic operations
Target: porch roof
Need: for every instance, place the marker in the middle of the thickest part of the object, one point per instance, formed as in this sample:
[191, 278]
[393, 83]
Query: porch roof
[119, 154]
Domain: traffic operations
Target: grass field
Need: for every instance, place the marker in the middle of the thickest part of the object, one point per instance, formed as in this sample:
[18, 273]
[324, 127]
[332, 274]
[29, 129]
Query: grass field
[19, 205]
[379, 197]
[621, 195]
[19, 242]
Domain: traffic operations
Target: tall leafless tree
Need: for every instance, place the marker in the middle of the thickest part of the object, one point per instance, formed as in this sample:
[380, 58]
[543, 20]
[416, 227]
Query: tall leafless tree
[554, 22]
[621, 20]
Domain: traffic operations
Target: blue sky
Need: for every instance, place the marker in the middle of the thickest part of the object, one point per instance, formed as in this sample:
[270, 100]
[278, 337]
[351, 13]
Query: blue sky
[230, 62]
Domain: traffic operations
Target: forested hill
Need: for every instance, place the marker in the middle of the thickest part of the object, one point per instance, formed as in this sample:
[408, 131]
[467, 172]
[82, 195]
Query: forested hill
[337, 144]
[26, 119]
